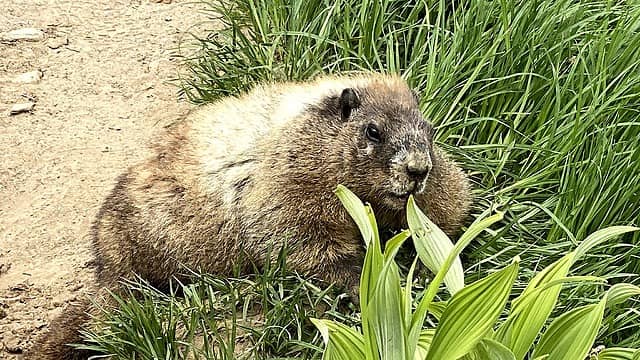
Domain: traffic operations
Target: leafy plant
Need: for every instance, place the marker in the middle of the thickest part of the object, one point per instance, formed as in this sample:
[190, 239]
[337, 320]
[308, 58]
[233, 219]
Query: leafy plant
[468, 326]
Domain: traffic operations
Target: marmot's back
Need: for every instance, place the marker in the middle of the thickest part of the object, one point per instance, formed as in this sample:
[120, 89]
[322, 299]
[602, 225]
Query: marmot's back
[231, 129]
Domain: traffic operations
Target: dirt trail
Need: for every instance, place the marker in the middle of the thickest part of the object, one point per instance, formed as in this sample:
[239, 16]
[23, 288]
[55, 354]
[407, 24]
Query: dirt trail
[102, 95]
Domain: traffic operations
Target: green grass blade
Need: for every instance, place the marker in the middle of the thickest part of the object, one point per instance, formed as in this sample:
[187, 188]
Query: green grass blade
[601, 236]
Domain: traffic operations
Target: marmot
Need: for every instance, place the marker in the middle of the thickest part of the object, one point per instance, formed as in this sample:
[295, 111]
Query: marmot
[245, 173]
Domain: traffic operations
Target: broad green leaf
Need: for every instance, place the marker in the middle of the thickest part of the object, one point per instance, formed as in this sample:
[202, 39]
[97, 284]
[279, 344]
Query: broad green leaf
[557, 270]
[488, 349]
[527, 318]
[424, 342]
[601, 236]
[368, 278]
[532, 308]
[386, 314]
[359, 213]
[533, 295]
[433, 246]
[571, 336]
[436, 309]
[373, 261]
[420, 314]
[620, 293]
[393, 245]
[343, 343]
[471, 314]
[618, 354]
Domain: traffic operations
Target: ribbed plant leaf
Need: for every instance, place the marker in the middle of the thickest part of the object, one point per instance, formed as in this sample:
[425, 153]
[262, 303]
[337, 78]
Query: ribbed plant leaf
[373, 262]
[488, 349]
[471, 314]
[571, 336]
[343, 343]
[526, 319]
[433, 246]
[620, 293]
[424, 342]
[417, 320]
[386, 315]
[359, 213]
[618, 354]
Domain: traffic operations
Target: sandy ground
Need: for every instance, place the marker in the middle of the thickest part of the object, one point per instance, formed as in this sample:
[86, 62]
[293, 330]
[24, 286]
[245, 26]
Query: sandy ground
[102, 96]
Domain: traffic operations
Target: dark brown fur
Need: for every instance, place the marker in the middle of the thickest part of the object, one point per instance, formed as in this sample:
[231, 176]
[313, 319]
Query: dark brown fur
[244, 174]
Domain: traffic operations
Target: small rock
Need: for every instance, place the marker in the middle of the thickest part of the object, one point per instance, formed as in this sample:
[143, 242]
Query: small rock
[13, 346]
[168, 18]
[4, 268]
[3, 314]
[30, 77]
[28, 34]
[22, 107]
[55, 43]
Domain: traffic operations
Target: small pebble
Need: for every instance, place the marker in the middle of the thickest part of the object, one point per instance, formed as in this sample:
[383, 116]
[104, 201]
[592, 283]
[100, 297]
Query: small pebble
[30, 77]
[13, 346]
[55, 43]
[28, 34]
[22, 107]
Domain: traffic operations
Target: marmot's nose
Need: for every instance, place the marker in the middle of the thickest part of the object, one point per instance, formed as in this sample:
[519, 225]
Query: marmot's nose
[418, 171]
[418, 168]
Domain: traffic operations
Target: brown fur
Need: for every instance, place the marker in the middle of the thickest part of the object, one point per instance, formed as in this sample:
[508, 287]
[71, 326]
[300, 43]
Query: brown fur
[244, 173]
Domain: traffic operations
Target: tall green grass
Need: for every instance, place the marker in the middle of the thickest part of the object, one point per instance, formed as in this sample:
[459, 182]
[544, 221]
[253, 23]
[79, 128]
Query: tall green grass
[540, 101]
[262, 316]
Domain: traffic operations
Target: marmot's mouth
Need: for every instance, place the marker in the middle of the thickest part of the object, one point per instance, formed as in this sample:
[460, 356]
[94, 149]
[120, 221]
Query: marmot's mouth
[401, 196]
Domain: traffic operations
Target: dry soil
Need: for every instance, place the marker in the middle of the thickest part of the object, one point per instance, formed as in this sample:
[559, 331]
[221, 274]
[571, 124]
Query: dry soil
[103, 93]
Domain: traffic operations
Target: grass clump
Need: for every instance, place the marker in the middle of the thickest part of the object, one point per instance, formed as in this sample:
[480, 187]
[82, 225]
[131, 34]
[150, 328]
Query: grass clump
[538, 99]
[263, 316]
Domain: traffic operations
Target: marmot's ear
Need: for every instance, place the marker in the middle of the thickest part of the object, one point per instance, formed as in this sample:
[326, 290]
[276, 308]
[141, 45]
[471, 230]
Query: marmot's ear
[349, 100]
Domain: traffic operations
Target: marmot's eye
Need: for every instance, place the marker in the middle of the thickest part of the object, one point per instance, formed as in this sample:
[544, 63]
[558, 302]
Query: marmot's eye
[372, 133]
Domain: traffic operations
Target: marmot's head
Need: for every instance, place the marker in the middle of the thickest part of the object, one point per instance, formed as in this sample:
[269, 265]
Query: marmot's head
[385, 143]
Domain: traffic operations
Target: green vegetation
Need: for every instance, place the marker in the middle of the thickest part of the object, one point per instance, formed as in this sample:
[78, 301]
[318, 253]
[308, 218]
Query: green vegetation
[538, 99]
[467, 328]
[263, 316]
